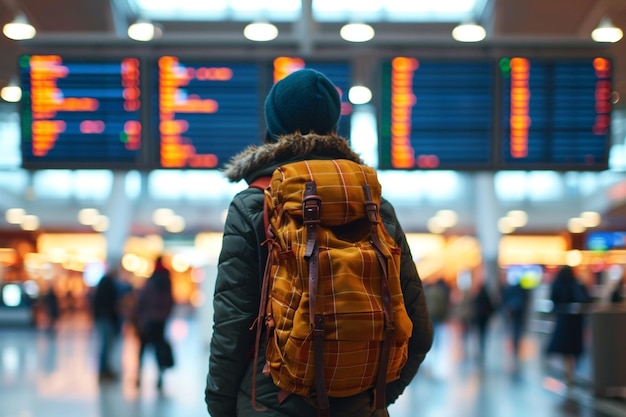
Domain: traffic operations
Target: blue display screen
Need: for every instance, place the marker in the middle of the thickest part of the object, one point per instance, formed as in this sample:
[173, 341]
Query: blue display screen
[80, 114]
[436, 114]
[555, 114]
[513, 113]
[205, 112]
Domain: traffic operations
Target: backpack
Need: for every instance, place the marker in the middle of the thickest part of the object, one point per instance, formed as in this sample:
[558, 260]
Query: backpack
[331, 302]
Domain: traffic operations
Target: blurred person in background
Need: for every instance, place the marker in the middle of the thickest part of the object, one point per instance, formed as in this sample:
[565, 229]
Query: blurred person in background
[461, 314]
[154, 303]
[105, 306]
[438, 302]
[51, 305]
[482, 310]
[568, 296]
[515, 305]
[617, 295]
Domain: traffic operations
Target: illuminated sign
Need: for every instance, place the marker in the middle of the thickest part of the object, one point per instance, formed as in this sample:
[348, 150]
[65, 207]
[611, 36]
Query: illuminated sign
[207, 111]
[436, 114]
[603, 241]
[555, 113]
[79, 113]
[338, 72]
[519, 120]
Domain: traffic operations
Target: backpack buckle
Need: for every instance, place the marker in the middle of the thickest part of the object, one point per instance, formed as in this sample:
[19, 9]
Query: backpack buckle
[311, 209]
[371, 209]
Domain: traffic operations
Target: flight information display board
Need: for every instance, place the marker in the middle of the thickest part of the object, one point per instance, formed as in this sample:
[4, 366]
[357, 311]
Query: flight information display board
[340, 73]
[436, 114]
[555, 113]
[207, 111]
[80, 113]
[514, 113]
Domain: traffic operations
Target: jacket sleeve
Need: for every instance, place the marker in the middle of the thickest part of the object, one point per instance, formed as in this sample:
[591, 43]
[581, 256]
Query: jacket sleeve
[235, 303]
[415, 303]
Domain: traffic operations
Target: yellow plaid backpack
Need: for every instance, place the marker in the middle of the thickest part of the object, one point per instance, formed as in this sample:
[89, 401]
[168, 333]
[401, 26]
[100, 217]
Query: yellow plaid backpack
[331, 299]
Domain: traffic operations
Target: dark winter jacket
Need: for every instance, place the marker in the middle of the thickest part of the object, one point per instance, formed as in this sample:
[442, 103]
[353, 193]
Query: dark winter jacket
[237, 292]
[154, 301]
[567, 293]
[106, 300]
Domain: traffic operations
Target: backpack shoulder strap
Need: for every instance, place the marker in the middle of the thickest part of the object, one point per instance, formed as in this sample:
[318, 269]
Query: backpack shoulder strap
[261, 183]
[311, 206]
[371, 209]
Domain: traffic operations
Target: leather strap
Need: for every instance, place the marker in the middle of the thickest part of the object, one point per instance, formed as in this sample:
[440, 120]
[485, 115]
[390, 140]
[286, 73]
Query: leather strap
[261, 319]
[323, 403]
[311, 215]
[311, 207]
[371, 209]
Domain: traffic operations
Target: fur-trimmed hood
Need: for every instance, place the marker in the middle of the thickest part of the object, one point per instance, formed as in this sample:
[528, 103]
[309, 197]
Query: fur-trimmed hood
[248, 163]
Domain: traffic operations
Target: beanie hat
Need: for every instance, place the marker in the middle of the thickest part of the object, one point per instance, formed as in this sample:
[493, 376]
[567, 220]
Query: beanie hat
[305, 101]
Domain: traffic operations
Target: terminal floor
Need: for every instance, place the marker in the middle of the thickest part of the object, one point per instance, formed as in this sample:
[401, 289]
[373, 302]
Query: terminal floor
[53, 374]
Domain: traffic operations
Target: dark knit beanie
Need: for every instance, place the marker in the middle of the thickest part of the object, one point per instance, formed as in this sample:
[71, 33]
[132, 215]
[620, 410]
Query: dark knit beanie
[305, 101]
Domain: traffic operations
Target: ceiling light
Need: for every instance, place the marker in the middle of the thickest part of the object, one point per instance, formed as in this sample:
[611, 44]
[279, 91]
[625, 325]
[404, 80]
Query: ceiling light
[357, 32]
[517, 218]
[162, 216]
[30, 222]
[447, 218]
[434, 226]
[469, 32]
[606, 32]
[504, 225]
[359, 94]
[576, 225]
[11, 92]
[15, 215]
[102, 224]
[590, 218]
[176, 225]
[19, 29]
[144, 31]
[260, 32]
[88, 216]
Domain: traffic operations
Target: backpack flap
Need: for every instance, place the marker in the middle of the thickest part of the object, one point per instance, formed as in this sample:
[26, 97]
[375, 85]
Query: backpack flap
[339, 185]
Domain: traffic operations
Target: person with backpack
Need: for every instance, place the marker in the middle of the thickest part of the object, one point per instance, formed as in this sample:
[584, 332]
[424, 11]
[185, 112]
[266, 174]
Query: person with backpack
[315, 280]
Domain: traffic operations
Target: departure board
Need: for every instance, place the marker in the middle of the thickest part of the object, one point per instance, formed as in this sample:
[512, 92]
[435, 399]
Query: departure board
[207, 111]
[555, 113]
[80, 113]
[436, 114]
[339, 73]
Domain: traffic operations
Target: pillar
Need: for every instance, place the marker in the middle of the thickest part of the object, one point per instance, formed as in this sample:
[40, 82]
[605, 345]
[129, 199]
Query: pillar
[487, 213]
[119, 210]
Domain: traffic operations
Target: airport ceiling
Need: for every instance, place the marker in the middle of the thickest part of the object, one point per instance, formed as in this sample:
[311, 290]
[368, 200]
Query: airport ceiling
[95, 26]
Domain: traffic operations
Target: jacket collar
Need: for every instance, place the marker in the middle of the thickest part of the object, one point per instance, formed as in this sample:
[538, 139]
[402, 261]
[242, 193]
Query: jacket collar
[256, 161]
